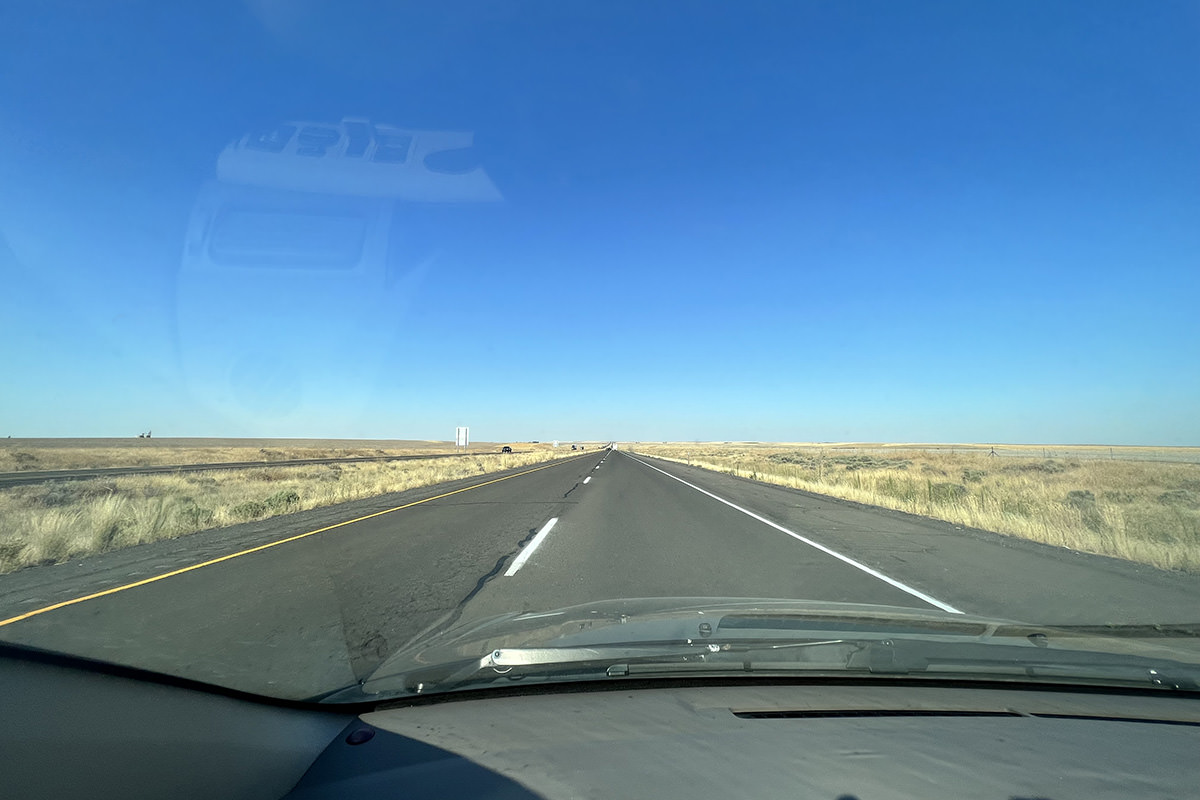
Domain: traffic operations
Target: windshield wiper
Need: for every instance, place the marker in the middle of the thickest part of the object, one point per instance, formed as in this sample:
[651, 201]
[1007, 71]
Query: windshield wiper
[788, 643]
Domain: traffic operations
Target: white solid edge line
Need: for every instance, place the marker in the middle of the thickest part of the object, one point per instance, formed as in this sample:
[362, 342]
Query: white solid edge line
[872, 572]
[588, 478]
[529, 548]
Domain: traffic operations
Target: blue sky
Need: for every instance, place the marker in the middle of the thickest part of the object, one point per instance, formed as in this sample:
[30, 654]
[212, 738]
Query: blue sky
[769, 221]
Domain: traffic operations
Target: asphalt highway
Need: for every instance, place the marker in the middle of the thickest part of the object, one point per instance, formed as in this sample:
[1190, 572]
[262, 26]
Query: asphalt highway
[299, 605]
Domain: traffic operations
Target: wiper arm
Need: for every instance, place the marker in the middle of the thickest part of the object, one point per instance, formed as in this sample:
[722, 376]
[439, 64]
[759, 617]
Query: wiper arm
[504, 660]
[507, 658]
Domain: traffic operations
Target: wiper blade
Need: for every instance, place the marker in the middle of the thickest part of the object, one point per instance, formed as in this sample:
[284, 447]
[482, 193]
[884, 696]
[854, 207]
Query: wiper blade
[1173, 631]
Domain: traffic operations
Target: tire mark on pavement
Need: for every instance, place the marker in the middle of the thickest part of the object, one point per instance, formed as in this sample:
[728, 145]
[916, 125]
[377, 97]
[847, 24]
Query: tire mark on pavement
[452, 616]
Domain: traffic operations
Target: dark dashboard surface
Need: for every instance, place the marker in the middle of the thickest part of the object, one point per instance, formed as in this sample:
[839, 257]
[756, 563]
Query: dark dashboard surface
[70, 731]
[823, 742]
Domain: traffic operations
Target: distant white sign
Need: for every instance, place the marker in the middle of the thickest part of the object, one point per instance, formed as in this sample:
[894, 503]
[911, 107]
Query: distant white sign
[462, 436]
[555, 443]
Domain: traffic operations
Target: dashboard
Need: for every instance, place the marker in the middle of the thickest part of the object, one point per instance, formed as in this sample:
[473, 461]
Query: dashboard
[75, 729]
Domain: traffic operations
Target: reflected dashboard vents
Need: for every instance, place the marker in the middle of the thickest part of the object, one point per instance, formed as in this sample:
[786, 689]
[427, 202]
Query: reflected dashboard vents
[884, 712]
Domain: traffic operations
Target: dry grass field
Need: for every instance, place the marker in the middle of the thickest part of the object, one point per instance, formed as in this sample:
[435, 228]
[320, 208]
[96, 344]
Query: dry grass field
[52, 522]
[1140, 504]
[19, 455]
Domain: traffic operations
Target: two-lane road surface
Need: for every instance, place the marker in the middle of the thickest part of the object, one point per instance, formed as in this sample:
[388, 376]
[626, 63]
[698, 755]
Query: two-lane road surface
[300, 605]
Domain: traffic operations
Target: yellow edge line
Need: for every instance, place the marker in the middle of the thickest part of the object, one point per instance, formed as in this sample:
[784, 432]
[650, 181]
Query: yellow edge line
[210, 562]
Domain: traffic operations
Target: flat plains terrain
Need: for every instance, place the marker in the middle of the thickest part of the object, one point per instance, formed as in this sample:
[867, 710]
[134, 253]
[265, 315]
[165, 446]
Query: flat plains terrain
[18, 455]
[54, 521]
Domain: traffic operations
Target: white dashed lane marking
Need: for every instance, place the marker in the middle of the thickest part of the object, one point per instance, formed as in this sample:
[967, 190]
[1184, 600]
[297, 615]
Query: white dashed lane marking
[529, 548]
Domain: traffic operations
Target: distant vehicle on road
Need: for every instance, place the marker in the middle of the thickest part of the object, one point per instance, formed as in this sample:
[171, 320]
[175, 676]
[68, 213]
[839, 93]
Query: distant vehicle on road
[506, 449]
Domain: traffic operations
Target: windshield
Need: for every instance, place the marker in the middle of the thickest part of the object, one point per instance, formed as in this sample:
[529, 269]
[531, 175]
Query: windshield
[365, 349]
